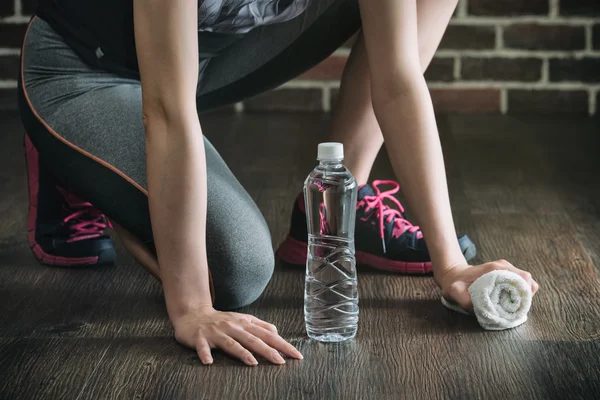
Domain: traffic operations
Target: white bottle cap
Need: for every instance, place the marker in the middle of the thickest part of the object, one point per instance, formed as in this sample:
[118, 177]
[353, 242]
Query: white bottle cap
[330, 151]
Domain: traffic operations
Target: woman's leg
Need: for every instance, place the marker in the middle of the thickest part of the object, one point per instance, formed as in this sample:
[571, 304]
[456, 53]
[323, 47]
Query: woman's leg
[88, 125]
[354, 123]
[275, 54]
[399, 246]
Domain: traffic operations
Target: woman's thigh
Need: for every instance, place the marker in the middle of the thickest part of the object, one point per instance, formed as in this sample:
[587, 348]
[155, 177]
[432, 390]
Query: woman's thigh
[87, 126]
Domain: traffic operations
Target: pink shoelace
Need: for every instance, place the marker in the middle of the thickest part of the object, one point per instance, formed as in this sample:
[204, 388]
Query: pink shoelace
[385, 213]
[83, 219]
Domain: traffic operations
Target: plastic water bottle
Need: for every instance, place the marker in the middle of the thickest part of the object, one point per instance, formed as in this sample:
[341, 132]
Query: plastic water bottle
[331, 293]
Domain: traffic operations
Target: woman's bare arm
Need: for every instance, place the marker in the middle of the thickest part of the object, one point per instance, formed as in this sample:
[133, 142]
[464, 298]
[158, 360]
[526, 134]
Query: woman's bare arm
[167, 47]
[405, 114]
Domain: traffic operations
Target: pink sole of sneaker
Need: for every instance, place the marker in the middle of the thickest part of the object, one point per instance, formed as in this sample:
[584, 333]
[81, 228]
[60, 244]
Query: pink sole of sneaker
[31, 157]
[294, 251]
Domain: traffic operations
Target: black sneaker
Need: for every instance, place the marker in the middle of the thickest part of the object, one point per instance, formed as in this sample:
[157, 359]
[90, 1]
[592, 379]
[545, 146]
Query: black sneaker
[63, 230]
[384, 239]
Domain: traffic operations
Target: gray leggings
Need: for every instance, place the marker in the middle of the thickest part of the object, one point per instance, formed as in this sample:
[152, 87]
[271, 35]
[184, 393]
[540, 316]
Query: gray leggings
[87, 126]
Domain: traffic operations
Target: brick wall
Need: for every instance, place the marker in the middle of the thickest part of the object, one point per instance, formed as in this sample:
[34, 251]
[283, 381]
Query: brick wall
[509, 56]
[498, 56]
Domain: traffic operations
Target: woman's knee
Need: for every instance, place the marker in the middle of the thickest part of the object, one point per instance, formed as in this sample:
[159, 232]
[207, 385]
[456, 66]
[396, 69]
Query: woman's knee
[240, 253]
[241, 268]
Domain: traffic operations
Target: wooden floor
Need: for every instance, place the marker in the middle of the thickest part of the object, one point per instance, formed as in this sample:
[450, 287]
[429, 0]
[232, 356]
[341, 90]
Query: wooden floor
[524, 189]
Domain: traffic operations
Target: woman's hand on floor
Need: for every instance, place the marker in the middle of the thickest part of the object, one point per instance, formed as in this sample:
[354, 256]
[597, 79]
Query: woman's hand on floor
[455, 281]
[239, 335]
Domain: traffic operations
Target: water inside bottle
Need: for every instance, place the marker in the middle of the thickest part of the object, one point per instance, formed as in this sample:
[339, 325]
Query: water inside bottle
[331, 292]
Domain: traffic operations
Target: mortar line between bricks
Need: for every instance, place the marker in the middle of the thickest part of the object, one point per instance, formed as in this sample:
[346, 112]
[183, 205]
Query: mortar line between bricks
[503, 101]
[457, 67]
[326, 98]
[17, 8]
[342, 51]
[512, 53]
[499, 37]
[15, 19]
[487, 21]
[308, 84]
[553, 9]
[462, 8]
[8, 84]
[592, 101]
[545, 78]
[588, 38]
[10, 52]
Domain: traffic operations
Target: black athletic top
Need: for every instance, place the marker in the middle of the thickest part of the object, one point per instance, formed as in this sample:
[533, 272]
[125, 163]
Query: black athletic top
[101, 31]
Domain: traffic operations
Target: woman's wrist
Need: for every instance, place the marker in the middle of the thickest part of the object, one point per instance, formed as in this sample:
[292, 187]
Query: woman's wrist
[182, 297]
[446, 257]
[178, 307]
[444, 273]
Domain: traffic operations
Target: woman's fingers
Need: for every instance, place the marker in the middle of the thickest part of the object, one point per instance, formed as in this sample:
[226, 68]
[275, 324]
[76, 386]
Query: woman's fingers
[274, 340]
[235, 349]
[503, 264]
[278, 342]
[252, 319]
[256, 345]
[239, 335]
[203, 350]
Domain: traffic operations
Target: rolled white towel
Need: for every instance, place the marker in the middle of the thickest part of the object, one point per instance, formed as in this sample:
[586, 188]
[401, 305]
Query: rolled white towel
[501, 300]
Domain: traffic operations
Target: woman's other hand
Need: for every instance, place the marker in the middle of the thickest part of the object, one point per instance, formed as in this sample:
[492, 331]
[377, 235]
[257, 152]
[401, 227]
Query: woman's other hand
[455, 280]
[239, 335]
